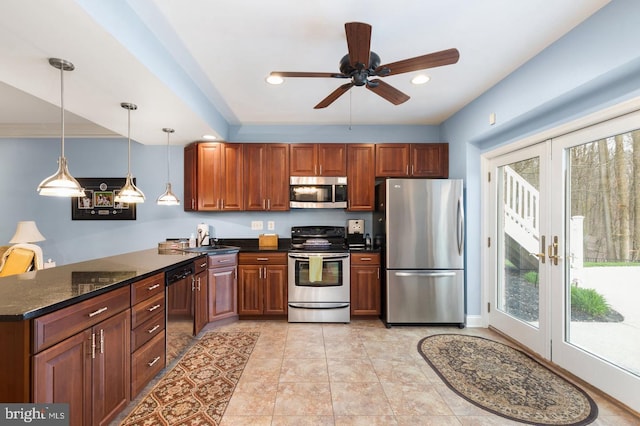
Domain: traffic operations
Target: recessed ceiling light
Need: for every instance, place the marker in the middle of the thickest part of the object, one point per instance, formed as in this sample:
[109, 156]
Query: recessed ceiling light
[420, 79]
[275, 79]
[209, 137]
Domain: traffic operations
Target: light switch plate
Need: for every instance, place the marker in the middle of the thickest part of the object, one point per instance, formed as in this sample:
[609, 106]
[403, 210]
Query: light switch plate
[257, 225]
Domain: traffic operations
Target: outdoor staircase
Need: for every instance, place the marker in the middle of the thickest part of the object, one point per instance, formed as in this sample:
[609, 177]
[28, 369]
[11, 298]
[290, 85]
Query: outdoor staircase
[521, 219]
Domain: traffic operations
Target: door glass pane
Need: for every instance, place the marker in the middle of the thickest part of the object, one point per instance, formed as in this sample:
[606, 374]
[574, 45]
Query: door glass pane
[602, 286]
[518, 239]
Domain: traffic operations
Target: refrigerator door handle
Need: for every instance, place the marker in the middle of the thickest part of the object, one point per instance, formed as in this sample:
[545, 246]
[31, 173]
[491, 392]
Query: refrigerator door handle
[425, 274]
[460, 227]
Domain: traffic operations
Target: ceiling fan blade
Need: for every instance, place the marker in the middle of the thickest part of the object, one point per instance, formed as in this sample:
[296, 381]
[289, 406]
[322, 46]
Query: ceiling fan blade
[359, 43]
[431, 60]
[387, 91]
[307, 74]
[334, 95]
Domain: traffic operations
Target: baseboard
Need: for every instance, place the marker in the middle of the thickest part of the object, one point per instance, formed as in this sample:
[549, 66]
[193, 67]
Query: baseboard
[475, 321]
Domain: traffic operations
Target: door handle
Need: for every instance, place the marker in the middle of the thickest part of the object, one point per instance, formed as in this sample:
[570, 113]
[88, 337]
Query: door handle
[541, 255]
[553, 250]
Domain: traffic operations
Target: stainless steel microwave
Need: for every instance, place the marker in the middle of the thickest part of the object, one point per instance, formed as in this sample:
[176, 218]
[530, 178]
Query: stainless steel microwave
[318, 192]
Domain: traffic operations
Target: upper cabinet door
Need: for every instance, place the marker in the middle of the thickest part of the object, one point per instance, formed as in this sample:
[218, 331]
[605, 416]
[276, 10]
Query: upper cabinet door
[266, 176]
[332, 159]
[412, 160]
[361, 177]
[190, 201]
[208, 171]
[430, 160]
[308, 159]
[304, 159]
[230, 177]
[392, 160]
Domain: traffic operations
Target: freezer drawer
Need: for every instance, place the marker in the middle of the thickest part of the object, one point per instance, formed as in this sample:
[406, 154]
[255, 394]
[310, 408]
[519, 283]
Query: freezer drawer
[424, 296]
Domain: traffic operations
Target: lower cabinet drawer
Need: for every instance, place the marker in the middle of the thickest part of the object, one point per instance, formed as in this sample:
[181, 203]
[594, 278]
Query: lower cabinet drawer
[147, 330]
[146, 363]
[147, 309]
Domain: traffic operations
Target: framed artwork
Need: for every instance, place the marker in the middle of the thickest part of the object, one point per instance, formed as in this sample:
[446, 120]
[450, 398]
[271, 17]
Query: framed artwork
[99, 201]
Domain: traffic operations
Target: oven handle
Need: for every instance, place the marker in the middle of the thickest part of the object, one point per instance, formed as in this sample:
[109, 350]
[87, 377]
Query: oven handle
[324, 306]
[324, 256]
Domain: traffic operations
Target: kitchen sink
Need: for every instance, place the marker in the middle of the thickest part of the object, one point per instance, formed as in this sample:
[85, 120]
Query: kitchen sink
[217, 249]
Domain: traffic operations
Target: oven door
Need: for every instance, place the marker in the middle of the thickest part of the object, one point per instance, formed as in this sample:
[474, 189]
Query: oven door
[319, 277]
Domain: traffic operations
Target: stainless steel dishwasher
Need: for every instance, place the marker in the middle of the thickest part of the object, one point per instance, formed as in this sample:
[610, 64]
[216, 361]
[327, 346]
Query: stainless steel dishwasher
[179, 309]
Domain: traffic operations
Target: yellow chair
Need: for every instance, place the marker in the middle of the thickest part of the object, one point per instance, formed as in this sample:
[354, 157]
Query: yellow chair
[17, 260]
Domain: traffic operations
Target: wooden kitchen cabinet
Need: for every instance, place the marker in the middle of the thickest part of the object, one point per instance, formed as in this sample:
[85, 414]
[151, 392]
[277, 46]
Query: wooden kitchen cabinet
[200, 290]
[223, 287]
[213, 177]
[365, 284]
[361, 177]
[325, 159]
[412, 160]
[266, 176]
[262, 284]
[89, 370]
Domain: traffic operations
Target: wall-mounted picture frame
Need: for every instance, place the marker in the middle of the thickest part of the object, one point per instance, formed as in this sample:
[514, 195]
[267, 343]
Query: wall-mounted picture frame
[99, 201]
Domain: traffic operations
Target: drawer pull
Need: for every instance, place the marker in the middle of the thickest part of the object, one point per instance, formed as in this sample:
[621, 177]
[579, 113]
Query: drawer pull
[203, 265]
[98, 312]
[153, 287]
[151, 330]
[264, 259]
[365, 259]
[153, 308]
[156, 359]
[224, 260]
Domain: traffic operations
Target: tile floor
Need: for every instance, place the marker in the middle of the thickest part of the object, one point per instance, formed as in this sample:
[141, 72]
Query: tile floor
[356, 374]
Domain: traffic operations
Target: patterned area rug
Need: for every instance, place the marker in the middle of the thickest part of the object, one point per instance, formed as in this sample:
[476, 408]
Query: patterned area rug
[198, 388]
[506, 381]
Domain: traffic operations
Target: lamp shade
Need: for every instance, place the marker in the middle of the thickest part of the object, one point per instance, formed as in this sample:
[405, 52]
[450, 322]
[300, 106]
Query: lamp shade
[27, 232]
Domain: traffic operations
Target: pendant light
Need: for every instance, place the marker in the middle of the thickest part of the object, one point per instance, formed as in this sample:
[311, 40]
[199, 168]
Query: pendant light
[61, 184]
[129, 193]
[168, 198]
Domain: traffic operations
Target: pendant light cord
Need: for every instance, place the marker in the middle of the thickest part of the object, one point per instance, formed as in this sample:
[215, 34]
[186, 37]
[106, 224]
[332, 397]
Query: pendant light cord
[62, 109]
[168, 159]
[129, 138]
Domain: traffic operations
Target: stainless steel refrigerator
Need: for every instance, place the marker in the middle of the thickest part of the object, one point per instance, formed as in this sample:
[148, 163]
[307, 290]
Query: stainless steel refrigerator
[420, 225]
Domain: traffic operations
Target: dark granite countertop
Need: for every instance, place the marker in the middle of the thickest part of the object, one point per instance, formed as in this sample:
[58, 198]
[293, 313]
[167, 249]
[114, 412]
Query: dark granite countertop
[250, 245]
[36, 293]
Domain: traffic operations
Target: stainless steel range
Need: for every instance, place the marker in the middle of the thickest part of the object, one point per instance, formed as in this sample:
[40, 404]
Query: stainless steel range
[319, 279]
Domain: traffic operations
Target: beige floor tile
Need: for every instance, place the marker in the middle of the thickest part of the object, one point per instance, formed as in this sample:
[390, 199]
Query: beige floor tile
[302, 421]
[359, 399]
[345, 349]
[415, 400]
[487, 420]
[245, 421]
[251, 401]
[262, 370]
[365, 421]
[459, 406]
[304, 370]
[399, 371]
[301, 349]
[428, 421]
[351, 370]
[301, 399]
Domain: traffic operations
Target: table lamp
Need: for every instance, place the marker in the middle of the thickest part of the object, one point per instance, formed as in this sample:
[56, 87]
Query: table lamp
[26, 234]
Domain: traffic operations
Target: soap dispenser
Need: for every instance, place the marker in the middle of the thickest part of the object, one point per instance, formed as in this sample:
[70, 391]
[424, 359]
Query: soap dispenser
[192, 241]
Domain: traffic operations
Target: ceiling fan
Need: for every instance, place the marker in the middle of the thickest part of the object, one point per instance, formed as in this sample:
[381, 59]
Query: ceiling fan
[361, 63]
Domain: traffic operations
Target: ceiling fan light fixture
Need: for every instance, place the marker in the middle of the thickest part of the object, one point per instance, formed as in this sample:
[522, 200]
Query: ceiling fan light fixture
[129, 193]
[61, 183]
[168, 198]
[274, 79]
[420, 79]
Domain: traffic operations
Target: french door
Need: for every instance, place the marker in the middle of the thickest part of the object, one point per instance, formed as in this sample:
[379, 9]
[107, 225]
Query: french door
[564, 219]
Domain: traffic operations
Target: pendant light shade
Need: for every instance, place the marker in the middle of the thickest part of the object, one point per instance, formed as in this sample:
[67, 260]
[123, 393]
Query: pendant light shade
[129, 193]
[168, 198]
[61, 183]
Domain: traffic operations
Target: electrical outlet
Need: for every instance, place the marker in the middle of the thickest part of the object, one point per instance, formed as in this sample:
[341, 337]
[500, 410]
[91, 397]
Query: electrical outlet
[271, 225]
[257, 225]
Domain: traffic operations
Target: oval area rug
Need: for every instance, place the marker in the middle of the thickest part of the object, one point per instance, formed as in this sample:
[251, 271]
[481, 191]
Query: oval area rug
[506, 381]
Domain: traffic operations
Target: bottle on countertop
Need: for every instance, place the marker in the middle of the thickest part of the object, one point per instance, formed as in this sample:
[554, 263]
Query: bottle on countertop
[367, 241]
[192, 241]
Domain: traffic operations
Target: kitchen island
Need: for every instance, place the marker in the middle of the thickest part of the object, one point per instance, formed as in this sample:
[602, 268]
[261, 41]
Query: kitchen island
[74, 333]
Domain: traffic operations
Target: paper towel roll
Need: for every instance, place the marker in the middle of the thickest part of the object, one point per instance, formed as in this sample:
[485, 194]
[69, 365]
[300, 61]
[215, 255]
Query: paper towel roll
[202, 235]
